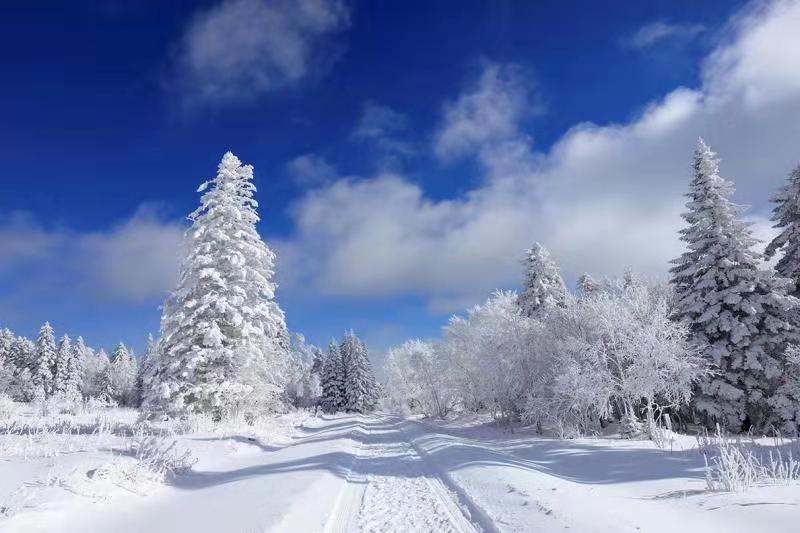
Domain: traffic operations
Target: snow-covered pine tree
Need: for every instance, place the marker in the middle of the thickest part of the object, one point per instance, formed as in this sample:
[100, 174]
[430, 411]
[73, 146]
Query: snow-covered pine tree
[144, 377]
[23, 359]
[75, 368]
[543, 285]
[587, 285]
[737, 314]
[373, 388]
[7, 339]
[786, 216]
[359, 382]
[46, 355]
[318, 360]
[223, 337]
[94, 373]
[332, 380]
[121, 376]
[23, 354]
[61, 374]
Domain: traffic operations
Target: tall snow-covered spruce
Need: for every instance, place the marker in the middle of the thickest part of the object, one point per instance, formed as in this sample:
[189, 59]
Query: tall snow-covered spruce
[46, 360]
[223, 337]
[360, 387]
[738, 314]
[543, 285]
[332, 380]
[786, 216]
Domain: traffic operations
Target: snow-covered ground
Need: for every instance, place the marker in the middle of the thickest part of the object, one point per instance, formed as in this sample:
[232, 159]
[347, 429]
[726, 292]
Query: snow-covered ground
[376, 473]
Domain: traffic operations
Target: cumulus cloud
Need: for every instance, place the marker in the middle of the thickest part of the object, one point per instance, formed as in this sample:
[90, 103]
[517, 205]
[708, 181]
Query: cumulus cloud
[132, 262]
[243, 48]
[658, 31]
[603, 198]
[310, 170]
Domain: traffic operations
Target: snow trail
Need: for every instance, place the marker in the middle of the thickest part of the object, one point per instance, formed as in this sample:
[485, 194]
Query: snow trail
[391, 487]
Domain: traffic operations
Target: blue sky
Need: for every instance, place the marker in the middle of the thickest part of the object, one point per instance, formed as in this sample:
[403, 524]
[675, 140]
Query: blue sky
[405, 152]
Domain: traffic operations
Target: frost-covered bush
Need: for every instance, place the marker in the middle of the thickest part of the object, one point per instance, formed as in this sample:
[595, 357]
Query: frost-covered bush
[159, 456]
[7, 407]
[613, 354]
[418, 381]
[734, 464]
[302, 388]
[490, 354]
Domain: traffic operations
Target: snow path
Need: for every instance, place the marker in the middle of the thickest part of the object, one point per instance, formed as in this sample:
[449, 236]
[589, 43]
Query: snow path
[381, 474]
[401, 492]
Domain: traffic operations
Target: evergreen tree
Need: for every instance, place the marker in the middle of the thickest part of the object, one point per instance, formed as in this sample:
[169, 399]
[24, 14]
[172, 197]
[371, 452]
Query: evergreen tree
[332, 381]
[23, 354]
[46, 356]
[543, 285]
[786, 216]
[120, 382]
[74, 382]
[587, 285]
[359, 382]
[223, 337]
[95, 369]
[63, 356]
[7, 339]
[737, 314]
[146, 368]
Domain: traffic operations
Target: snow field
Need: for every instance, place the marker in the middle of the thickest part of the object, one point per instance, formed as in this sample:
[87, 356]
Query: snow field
[371, 473]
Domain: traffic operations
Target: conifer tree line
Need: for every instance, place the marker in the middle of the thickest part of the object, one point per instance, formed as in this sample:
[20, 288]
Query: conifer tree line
[719, 343]
[66, 370]
[347, 380]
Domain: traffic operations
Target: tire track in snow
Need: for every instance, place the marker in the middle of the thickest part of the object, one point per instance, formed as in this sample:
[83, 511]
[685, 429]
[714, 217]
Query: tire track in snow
[403, 493]
[346, 509]
[391, 487]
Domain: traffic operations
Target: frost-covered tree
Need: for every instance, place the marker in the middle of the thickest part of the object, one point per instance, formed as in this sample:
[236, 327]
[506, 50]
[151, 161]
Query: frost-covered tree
[23, 354]
[61, 373]
[737, 314]
[488, 351]
[75, 368]
[543, 285]
[786, 216]
[417, 379]
[7, 339]
[361, 389]
[119, 382]
[23, 362]
[46, 357]
[302, 387]
[587, 285]
[223, 336]
[95, 368]
[144, 377]
[333, 381]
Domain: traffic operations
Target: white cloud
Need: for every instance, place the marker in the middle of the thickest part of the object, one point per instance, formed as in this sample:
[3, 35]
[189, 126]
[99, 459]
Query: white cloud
[486, 115]
[384, 128]
[658, 31]
[242, 48]
[22, 241]
[132, 262]
[311, 170]
[602, 198]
